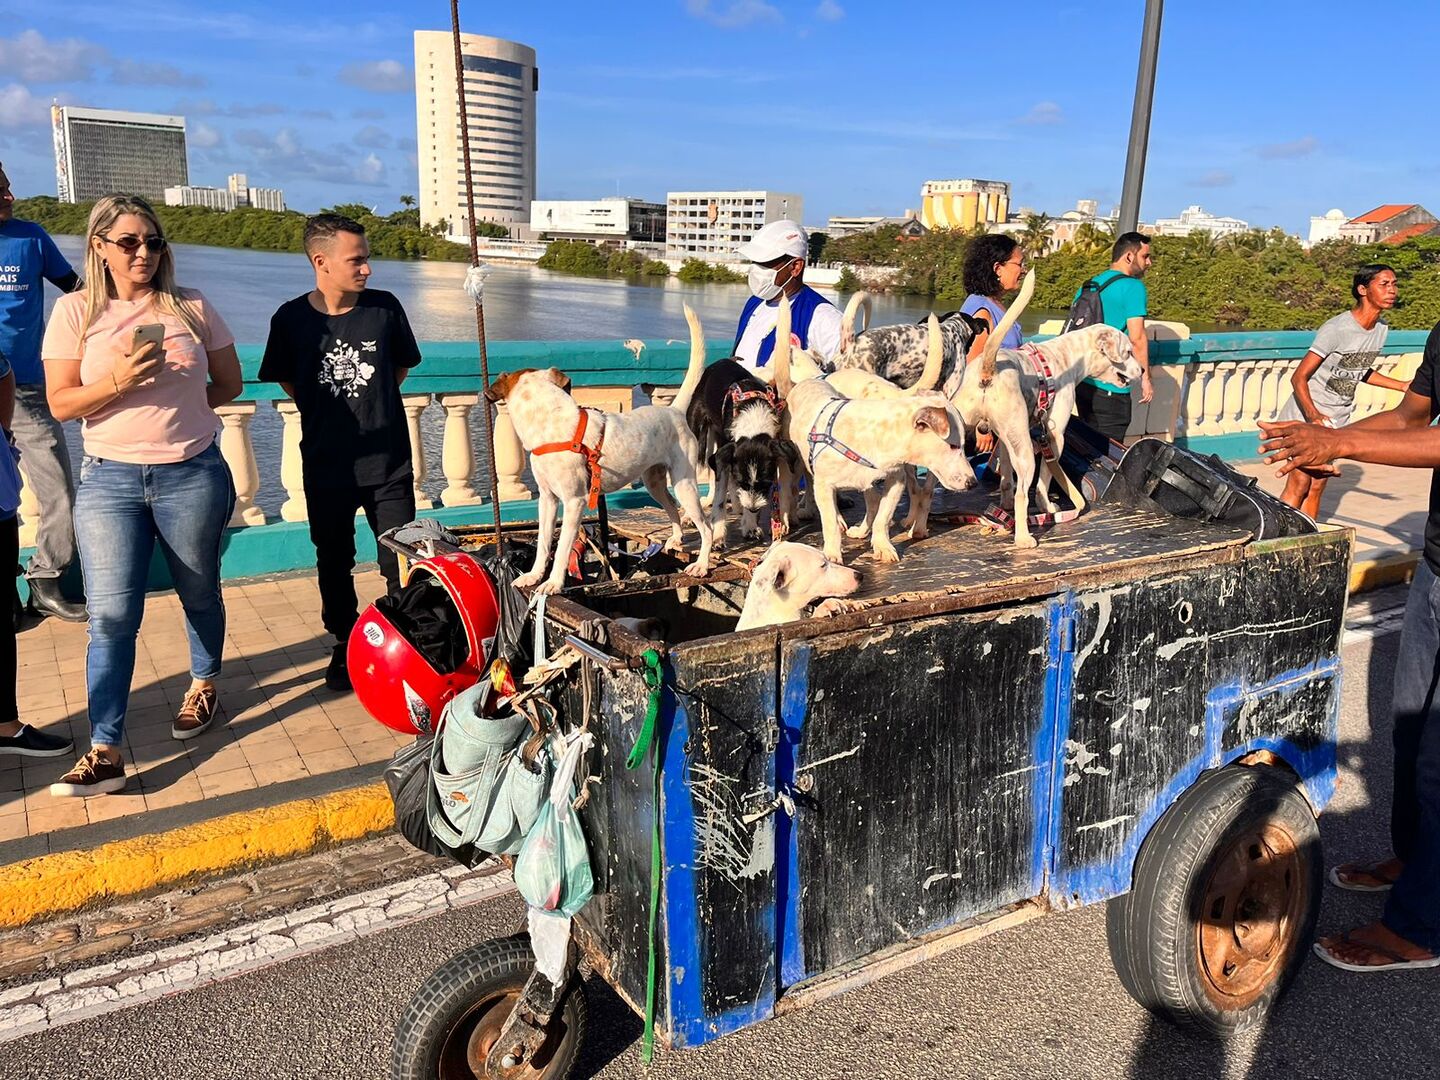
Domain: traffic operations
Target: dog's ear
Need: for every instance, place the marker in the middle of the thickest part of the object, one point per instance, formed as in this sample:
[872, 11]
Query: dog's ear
[977, 326]
[558, 377]
[780, 573]
[790, 452]
[500, 389]
[933, 419]
[723, 458]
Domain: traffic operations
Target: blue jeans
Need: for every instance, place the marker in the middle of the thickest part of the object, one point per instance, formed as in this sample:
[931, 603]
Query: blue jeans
[1413, 908]
[121, 510]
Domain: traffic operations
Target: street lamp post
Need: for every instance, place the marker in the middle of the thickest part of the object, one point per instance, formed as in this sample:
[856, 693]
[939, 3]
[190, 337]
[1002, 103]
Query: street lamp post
[1140, 117]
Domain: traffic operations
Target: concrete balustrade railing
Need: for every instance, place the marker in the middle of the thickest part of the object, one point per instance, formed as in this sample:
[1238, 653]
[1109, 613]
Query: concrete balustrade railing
[1212, 390]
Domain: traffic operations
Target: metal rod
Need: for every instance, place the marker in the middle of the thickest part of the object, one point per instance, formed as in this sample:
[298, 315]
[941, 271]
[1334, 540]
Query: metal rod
[489, 423]
[1140, 117]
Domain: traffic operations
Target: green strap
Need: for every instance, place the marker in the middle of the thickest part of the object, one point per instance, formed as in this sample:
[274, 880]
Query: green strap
[643, 745]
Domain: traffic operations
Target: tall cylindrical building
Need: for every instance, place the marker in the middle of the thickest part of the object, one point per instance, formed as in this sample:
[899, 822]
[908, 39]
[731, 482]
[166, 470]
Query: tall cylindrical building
[501, 81]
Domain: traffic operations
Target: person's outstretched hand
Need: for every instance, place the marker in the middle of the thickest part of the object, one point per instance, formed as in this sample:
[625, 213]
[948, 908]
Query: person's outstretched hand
[1293, 445]
[1147, 388]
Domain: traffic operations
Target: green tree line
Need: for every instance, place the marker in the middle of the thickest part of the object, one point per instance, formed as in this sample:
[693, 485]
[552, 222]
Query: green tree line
[1262, 280]
[578, 257]
[392, 236]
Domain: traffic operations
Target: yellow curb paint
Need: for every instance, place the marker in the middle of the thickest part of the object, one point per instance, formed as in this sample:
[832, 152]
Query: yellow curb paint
[51, 884]
[1367, 574]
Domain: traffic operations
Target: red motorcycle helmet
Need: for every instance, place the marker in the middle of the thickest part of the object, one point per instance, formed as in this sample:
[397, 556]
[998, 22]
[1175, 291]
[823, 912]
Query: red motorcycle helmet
[393, 680]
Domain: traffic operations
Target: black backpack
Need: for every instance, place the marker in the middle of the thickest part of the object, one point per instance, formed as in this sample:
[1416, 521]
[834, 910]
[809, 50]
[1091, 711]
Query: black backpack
[1088, 309]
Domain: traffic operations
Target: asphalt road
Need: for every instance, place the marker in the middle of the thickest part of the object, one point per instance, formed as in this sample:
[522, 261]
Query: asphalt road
[1037, 1001]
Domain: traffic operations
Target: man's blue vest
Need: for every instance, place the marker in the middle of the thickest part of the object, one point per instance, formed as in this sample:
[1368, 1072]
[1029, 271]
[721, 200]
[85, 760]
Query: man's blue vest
[802, 307]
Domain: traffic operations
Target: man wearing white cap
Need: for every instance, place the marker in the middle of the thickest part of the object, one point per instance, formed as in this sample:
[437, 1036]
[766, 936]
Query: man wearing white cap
[777, 257]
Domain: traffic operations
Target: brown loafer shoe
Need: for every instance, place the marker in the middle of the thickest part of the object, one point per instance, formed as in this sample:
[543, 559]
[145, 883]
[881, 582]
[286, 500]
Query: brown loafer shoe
[197, 713]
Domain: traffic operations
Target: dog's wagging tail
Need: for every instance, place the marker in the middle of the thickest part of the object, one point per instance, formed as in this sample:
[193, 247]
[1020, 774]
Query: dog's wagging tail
[997, 335]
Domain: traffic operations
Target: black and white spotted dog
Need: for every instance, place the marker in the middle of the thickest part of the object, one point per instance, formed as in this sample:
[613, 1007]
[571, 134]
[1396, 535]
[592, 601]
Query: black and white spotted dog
[736, 418]
[897, 353]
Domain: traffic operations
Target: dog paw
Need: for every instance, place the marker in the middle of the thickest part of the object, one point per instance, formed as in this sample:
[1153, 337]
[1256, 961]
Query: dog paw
[857, 532]
[835, 556]
[697, 569]
[1026, 541]
[549, 587]
[886, 555]
[834, 606]
[524, 581]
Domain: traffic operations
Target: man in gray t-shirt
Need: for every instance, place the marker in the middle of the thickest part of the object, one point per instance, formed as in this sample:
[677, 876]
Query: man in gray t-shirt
[1347, 351]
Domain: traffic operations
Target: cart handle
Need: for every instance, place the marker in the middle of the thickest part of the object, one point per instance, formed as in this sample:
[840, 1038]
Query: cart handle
[604, 659]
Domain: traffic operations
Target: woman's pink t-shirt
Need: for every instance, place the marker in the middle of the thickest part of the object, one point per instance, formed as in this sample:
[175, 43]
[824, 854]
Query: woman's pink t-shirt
[166, 420]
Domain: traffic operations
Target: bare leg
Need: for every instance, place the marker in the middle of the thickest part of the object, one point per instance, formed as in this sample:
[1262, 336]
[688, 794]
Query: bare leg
[545, 534]
[1311, 505]
[880, 544]
[569, 529]
[1297, 489]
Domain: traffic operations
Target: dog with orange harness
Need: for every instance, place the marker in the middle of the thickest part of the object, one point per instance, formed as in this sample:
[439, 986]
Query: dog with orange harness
[577, 453]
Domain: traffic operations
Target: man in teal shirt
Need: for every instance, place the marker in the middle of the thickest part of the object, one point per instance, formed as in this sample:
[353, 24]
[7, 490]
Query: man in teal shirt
[1105, 406]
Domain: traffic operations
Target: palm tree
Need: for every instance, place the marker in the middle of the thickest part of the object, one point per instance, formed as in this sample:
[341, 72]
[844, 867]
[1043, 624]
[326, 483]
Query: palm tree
[1092, 239]
[1036, 237]
[407, 201]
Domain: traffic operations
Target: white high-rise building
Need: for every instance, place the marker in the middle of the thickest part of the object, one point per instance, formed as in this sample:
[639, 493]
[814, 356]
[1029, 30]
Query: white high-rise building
[710, 225]
[501, 81]
[192, 195]
[240, 188]
[103, 151]
[266, 198]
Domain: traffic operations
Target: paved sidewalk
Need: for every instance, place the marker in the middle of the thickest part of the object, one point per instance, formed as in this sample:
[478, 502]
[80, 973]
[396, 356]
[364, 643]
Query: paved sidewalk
[279, 722]
[1385, 505]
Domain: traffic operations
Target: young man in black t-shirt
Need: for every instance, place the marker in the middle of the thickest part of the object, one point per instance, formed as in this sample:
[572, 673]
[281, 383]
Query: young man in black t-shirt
[1408, 933]
[341, 351]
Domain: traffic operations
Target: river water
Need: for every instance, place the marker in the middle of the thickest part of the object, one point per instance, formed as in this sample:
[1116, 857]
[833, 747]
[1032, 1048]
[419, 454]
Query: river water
[521, 303]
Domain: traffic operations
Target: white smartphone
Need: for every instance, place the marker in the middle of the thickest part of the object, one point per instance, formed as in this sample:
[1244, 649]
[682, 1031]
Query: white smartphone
[148, 332]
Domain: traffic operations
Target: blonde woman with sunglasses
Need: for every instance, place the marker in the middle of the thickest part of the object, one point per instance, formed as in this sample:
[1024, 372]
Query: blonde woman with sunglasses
[152, 471]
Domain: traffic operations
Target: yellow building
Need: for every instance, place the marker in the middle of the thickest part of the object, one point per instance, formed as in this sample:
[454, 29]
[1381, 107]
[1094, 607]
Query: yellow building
[964, 204]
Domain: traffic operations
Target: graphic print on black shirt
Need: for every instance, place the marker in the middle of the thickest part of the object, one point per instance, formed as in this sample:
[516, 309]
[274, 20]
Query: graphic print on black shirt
[343, 370]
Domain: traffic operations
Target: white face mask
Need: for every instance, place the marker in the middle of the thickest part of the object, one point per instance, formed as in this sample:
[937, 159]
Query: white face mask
[762, 282]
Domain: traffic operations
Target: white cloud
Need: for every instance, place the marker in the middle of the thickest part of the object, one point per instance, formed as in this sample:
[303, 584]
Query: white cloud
[381, 76]
[29, 56]
[21, 109]
[1215, 178]
[1043, 114]
[202, 135]
[370, 171]
[735, 14]
[284, 156]
[140, 73]
[1295, 149]
[829, 11]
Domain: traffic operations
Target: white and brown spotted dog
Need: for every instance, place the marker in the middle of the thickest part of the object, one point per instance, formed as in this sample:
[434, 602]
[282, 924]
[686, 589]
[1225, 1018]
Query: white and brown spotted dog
[855, 444]
[1014, 392]
[652, 444]
[788, 580]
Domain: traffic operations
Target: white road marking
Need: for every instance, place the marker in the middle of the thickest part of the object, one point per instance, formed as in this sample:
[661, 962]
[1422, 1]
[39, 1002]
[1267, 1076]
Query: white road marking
[94, 991]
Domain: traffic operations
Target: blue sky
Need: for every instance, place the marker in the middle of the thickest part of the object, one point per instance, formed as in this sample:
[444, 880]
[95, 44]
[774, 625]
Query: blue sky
[1266, 111]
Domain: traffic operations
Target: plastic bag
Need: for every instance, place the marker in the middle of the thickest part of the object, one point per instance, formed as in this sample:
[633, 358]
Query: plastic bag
[552, 871]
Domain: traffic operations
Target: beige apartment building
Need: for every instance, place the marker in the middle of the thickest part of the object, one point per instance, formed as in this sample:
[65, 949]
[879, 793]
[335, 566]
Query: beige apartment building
[710, 225]
[501, 81]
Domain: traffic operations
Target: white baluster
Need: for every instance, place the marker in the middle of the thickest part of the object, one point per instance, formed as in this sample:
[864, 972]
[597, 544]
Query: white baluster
[1270, 390]
[292, 476]
[1240, 400]
[1199, 420]
[415, 405]
[457, 453]
[29, 509]
[509, 458]
[238, 450]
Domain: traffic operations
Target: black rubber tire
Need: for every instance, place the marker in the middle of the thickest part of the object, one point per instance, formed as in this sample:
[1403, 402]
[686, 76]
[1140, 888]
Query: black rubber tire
[445, 1000]
[1154, 930]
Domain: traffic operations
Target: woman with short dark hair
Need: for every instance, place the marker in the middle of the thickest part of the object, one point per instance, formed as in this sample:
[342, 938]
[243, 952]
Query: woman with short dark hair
[994, 266]
[1340, 359]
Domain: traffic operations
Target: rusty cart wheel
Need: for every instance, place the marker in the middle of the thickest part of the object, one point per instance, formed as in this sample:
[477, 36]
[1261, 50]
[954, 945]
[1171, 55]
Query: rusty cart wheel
[454, 1018]
[1223, 903]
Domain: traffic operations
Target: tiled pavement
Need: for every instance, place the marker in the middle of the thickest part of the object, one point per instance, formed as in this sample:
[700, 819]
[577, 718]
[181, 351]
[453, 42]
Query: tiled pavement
[278, 722]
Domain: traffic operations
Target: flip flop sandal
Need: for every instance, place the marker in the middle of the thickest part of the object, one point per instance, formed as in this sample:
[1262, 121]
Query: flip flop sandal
[1369, 869]
[1397, 962]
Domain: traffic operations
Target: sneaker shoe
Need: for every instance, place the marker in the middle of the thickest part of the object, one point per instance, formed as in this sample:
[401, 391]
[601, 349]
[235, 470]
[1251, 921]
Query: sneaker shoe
[197, 713]
[29, 742]
[92, 775]
[337, 675]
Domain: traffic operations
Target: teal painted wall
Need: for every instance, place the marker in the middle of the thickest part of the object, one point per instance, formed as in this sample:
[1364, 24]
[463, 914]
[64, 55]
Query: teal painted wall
[454, 367]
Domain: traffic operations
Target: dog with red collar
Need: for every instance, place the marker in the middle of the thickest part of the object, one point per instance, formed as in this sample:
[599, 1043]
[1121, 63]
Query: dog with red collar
[576, 454]
[736, 418]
